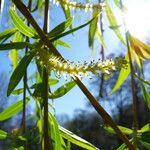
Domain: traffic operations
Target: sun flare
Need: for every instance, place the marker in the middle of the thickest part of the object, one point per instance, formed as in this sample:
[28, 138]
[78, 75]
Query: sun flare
[138, 18]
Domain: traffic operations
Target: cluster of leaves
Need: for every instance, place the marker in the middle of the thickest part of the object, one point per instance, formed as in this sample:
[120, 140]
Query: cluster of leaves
[62, 138]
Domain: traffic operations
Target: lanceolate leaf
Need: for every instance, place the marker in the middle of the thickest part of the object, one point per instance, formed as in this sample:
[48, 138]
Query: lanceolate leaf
[66, 12]
[7, 33]
[3, 135]
[93, 28]
[113, 22]
[19, 71]
[146, 95]
[145, 128]
[14, 52]
[15, 45]
[55, 133]
[60, 28]
[62, 90]
[71, 31]
[22, 27]
[123, 129]
[144, 140]
[122, 77]
[11, 110]
[100, 39]
[76, 139]
[61, 43]
[140, 48]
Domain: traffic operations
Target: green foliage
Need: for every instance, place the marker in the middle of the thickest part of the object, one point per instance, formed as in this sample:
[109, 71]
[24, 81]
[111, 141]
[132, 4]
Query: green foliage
[19, 71]
[11, 110]
[47, 58]
[3, 135]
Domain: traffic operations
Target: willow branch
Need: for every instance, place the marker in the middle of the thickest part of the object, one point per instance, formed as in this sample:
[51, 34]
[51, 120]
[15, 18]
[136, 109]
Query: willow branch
[91, 98]
[47, 140]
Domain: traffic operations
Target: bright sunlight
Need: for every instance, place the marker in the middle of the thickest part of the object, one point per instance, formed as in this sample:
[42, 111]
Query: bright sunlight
[138, 18]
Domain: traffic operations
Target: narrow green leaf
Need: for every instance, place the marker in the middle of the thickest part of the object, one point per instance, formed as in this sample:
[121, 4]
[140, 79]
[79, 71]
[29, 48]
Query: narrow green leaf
[51, 81]
[17, 91]
[7, 33]
[12, 110]
[66, 12]
[19, 71]
[16, 45]
[71, 31]
[145, 128]
[93, 28]
[144, 140]
[61, 91]
[18, 148]
[22, 27]
[14, 52]
[122, 147]
[60, 28]
[38, 5]
[113, 22]
[76, 139]
[3, 135]
[55, 133]
[123, 129]
[142, 80]
[124, 73]
[62, 43]
[100, 39]
[146, 95]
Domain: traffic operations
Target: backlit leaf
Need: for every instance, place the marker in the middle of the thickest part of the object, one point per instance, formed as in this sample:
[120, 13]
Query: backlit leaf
[62, 90]
[71, 31]
[12, 110]
[55, 133]
[145, 128]
[100, 39]
[123, 129]
[113, 22]
[3, 135]
[16, 45]
[60, 28]
[93, 28]
[146, 95]
[76, 139]
[22, 27]
[124, 73]
[7, 33]
[19, 71]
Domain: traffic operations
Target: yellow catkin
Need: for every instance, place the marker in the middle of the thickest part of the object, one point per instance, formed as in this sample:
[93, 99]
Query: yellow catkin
[75, 5]
[72, 69]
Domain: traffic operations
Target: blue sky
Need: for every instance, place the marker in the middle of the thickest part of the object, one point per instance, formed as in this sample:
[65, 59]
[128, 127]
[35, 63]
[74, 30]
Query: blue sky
[79, 51]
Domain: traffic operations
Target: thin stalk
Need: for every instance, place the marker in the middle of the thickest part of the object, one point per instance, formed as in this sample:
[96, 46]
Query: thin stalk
[24, 88]
[47, 140]
[102, 54]
[101, 111]
[133, 85]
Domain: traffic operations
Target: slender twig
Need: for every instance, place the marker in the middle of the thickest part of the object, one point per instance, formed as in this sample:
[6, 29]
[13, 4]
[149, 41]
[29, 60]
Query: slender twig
[102, 54]
[91, 98]
[133, 85]
[47, 140]
[24, 88]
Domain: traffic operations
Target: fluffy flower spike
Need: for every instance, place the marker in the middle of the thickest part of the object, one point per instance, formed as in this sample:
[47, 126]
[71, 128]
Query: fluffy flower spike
[66, 68]
[75, 5]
